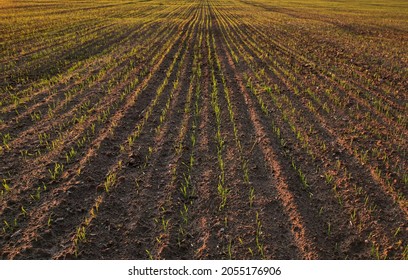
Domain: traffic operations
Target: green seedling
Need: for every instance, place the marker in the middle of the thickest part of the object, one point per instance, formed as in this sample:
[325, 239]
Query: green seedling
[150, 256]
[6, 140]
[56, 171]
[251, 252]
[353, 215]
[36, 116]
[110, 181]
[230, 249]
[165, 224]
[8, 226]
[6, 185]
[329, 178]
[37, 194]
[251, 196]
[184, 213]
[23, 211]
[321, 211]
[70, 155]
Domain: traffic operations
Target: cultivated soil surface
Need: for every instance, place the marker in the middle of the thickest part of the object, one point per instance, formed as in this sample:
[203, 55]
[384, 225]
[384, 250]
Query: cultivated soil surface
[203, 129]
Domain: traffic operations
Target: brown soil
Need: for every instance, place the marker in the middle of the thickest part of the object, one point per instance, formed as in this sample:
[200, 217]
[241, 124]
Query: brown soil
[154, 115]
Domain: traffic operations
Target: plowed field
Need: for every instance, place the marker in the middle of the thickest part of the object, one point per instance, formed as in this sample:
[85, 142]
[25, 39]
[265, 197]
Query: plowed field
[203, 129]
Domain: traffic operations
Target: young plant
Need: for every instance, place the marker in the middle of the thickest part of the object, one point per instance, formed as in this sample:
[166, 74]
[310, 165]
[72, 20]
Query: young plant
[6, 185]
[251, 196]
[110, 181]
[6, 138]
[56, 171]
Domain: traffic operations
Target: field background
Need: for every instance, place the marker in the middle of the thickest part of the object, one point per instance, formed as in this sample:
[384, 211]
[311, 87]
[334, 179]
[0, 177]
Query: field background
[236, 129]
